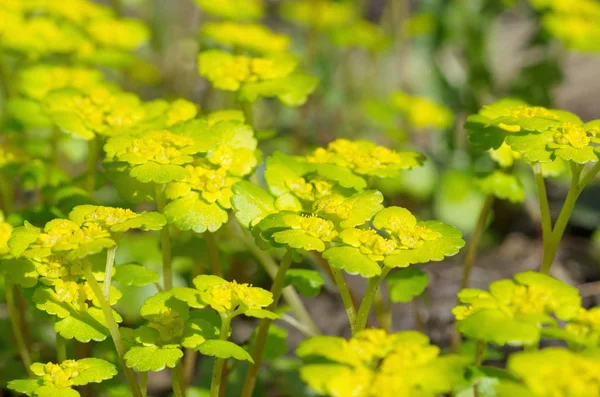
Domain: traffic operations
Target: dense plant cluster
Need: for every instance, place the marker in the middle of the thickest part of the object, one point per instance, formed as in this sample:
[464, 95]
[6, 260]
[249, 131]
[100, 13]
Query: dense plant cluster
[130, 228]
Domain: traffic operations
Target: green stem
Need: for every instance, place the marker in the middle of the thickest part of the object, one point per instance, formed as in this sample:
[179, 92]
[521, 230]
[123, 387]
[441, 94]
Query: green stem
[92, 165]
[263, 328]
[15, 320]
[340, 281]
[177, 380]
[289, 293]
[475, 239]
[479, 351]
[215, 383]
[144, 383]
[113, 328]
[248, 113]
[165, 241]
[543, 201]
[110, 264]
[212, 249]
[117, 6]
[365, 306]
[189, 367]
[7, 194]
[382, 311]
[552, 243]
[590, 175]
[54, 155]
[61, 348]
[5, 80]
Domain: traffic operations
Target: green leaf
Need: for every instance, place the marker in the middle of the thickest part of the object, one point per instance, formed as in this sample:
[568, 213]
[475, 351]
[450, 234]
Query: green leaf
[332, 348]
[93, 370]
[299, 239]
[405, 284]
[318, 376]
[71, 123]
[493, 326]
[53, 391]
[503, 186]
[158, 173]
[261, 313]
[128, 188]
[282, 168]
[352, 261]
[22, 237]
[190, 296]
[84, 326]
[25, 386]
[20, 271]
[193, 213]
[512, 389]
[132, 274]
[152, 358]
[224, 349]
[342, 175]
[308, 282]
[533, 147]
[275, 344]
[202, 326]
[251, 203]
[291, 90]
[162, 302]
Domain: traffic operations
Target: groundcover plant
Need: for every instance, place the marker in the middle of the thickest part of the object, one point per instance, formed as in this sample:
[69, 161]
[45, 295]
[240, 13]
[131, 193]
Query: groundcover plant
[254, 205]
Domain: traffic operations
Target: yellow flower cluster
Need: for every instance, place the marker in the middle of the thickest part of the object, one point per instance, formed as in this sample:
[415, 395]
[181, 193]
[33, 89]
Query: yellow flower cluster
[76, 293]
[312, 225]
[78, 28]
[517, 112]
[108, 216]
[230, 296]
[55, 267]
[576, 24]
[59, 375]
[556, 372]
[5, 232]
[572, 135]
[180, 110]
[161, 147]
[311, 190]
[585, 327]
[332, 204]
[370, 243]
[228, 72]
[7, 156]
[408, 234]
[530, 295]
[213, 184]
[169, 323]
[233, 9]
[421, 112]
[37, 81]
[121, 34]
[324, 14]
[63, 235]
[253, 37]
[372, 363]
[362, 157]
